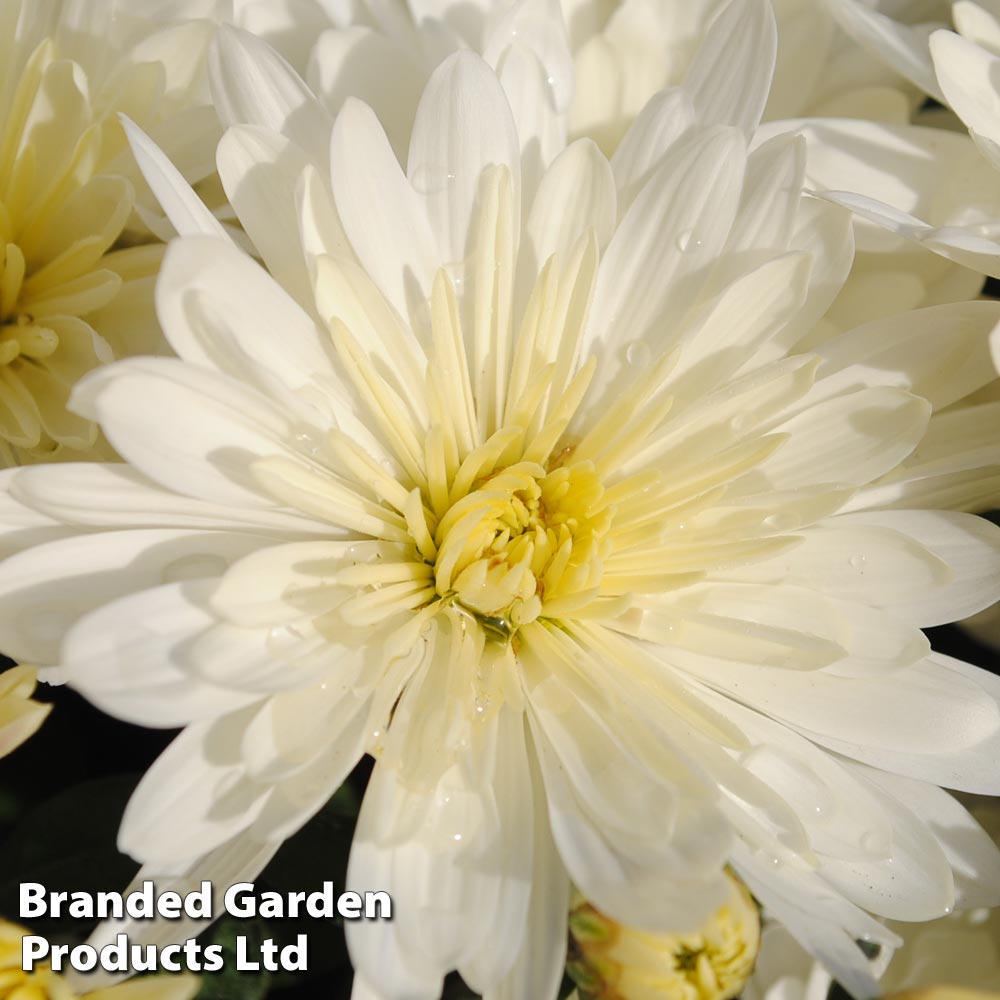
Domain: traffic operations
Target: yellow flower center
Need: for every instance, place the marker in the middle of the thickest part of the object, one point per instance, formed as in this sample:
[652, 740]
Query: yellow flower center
[611, 962]
[523, 540]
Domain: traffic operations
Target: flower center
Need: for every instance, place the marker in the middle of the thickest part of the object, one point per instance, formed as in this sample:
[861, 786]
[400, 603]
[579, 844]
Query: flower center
[524, 543]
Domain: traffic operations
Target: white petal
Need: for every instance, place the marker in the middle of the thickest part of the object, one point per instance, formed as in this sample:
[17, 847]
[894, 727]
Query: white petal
[127, 657]
[730, 78]
[463, 125]
[772, 192]
[253, 85]
[603, 826]
[524, 831]
[913, 883]
[740, 322]
[851, 439]
[902, 46]
[676, 225]
[963, 245]
[185, 210]
[298, 797]
[540, 129]
[315, 724]
[968, 545]
[666, 117]
[970, 850]
[22, 527]
[538, 968]
[907, 350]
[383, 216]
[49, 587]
[186, 427]
[260, 171]
[841, 816]
[576, 194]
[220, 309]
[115, 496]
[818, 917]
[423, 871]
[193, 799]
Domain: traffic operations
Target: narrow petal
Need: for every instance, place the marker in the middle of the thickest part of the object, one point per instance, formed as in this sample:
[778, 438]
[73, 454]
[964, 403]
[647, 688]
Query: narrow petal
[730, 78]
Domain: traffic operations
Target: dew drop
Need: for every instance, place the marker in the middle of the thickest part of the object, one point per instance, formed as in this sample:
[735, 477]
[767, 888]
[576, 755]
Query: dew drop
[283, 635]
[637, 354]
[308, 439]
[431, 178]
[857, 561]
[874, 844]
[768, 858]
[781, 522]
[687, 242]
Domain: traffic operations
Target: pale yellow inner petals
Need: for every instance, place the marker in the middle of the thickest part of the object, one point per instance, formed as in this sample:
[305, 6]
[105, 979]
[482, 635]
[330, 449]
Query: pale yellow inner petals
[498, 510]
[58, 219]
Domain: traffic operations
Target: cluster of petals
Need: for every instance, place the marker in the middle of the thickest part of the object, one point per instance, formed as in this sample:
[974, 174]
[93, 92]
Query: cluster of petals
[74, 292]
[545, 478]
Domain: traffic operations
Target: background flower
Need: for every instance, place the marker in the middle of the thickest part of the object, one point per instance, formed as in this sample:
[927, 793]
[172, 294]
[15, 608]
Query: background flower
[19, 715]
[44, 984]
[71, 297]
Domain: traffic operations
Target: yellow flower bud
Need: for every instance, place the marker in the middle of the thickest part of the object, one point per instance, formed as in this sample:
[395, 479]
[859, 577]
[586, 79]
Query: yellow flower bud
[611, 962]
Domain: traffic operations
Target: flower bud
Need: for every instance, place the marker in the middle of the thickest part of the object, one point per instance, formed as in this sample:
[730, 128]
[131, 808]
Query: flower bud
[609, 961]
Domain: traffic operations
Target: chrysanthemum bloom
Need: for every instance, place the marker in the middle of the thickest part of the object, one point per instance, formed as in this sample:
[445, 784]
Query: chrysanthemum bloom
[611, 962]
[69, 300]
[44, 984]
[532, 491]
[20, 716]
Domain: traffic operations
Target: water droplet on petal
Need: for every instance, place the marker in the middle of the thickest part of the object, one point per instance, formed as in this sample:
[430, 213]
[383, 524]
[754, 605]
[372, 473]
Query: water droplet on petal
[431, 178]
[781, 522]
[857, 561]
[637, 354]
[687, 242]
[308, 439]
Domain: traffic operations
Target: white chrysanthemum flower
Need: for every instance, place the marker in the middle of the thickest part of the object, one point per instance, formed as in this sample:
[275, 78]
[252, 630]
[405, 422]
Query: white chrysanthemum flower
[529, 489]
[69, 300]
